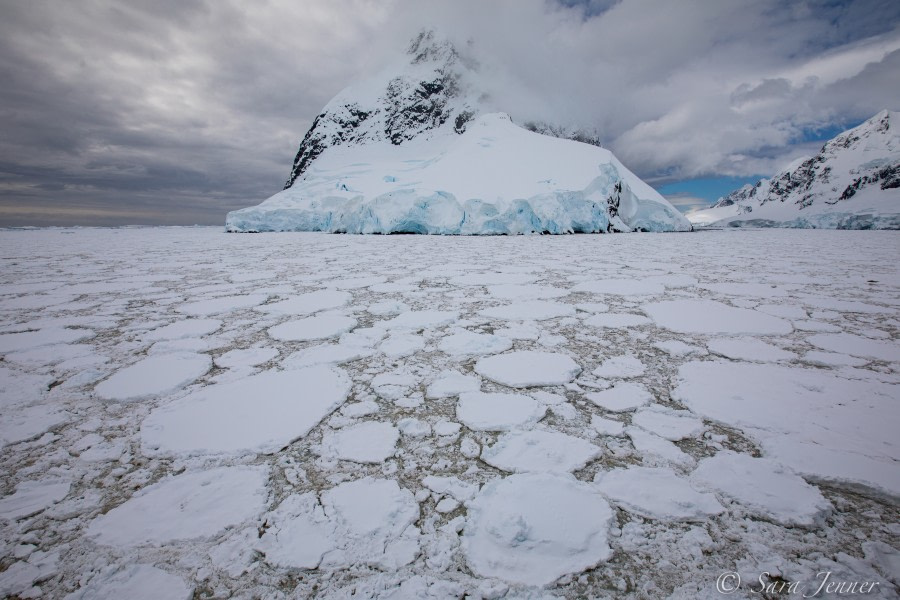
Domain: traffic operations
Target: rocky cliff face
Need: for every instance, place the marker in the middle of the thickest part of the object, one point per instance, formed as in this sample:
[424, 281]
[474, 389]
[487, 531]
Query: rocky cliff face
[432, 90]
[816, 178]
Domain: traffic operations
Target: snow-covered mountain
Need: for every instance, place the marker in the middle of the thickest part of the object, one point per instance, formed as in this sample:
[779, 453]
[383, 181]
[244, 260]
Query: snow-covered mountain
[419, 149]
[852, 183]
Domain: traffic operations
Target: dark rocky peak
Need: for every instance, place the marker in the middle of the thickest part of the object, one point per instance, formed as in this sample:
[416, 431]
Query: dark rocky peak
[432, 90]
[584, 136]
[428, 47]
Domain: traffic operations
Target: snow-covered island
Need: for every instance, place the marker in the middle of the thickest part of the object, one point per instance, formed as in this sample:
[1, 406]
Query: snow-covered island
[416, 149]
[852, 183]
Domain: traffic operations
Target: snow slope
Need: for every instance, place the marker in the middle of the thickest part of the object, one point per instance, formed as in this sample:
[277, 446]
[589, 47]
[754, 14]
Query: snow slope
[852, 183]
[415, 149]
[495, 178]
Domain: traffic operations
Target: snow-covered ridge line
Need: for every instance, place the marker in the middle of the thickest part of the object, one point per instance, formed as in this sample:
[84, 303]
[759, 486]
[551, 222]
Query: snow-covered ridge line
[852, 183]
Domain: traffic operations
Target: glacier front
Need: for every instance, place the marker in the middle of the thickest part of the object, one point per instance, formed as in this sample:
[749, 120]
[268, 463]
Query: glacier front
[494, 178]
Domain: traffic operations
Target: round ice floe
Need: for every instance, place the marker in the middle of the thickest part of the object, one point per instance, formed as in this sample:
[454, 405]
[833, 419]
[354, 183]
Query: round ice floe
[654, 449]
[20, 388]
[154, 376]
[480, 411]
[816, 326]
[833, 359]
[454, 487]
[672, 425]
[306, 304]
[324, 354]
[393, 386]
[421, 319]
[679, 348]
[24, 423]
[539, 451]
[592, 307]
[468, 343]
[452, 383]
[393, 287]
[446, 428]
[535, 310]
[387, 308]
[621, 398]
[763, 487]
[12, 342]
[604, 426]
[621, 287]
[787, 311]
[195, 345]
[356, 283]
[369, 522]
[856, 345]
[135, 582]
[65, 356]
[31, 497]
[368, 442]
[363, 337]
[847, 433]
[225, 304]
[298, 533]
[188, 506]
[528, 369]
[520, 331]
[262, 413]
[672, 280]
[624, 366]
[492, 279]
[319, 327]
[616, 320]
[252, 276]
[657, 494]
[369, 505]
[188, 328]
[403, 344]
[756, 290]
[360, 409]
[534, 528]
[708, 316]
[414, 428]
[748, 349]
[525, 292]
[247, 357]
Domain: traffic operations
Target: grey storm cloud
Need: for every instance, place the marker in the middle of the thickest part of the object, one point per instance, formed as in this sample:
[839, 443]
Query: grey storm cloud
[178, 111]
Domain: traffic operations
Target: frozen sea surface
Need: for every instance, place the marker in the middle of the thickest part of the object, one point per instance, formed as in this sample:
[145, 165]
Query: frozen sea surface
[311, 415]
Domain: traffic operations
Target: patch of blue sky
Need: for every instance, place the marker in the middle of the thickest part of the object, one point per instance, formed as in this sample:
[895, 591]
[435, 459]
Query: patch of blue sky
[709, 189]
[823, 134]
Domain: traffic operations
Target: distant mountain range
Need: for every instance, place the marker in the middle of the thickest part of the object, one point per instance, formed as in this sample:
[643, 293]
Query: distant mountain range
[852, 183]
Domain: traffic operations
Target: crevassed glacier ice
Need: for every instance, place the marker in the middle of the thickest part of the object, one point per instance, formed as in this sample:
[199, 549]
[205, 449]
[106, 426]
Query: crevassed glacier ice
[496, 178]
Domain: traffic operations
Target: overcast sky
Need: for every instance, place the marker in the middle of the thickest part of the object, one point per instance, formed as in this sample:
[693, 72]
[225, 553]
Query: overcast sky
[177, 111]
